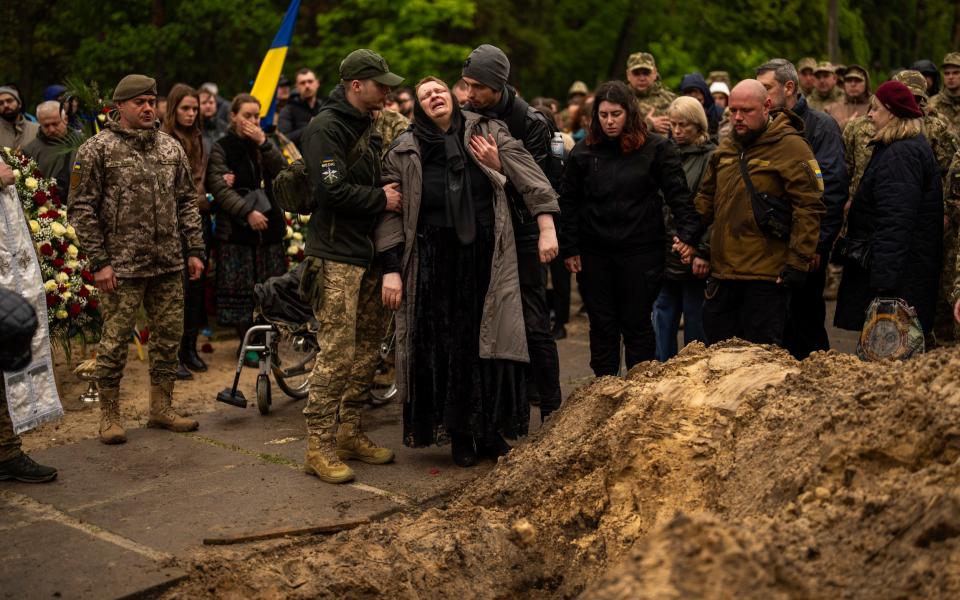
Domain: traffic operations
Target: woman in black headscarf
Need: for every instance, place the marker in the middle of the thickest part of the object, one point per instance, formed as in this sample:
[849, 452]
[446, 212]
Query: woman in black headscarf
[450, 271]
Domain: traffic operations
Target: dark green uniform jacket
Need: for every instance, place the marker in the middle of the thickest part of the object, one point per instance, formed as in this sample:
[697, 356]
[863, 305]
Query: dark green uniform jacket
[346, 182]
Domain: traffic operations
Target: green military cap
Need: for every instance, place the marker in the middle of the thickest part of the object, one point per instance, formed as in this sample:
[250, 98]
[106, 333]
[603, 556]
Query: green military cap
[855, 72]
[807, 62]
[641, 60]
[913, 80]
[134, 85]
[578, 87]
[952, 59]
[825, 66]
[367, 64]
[715, 76]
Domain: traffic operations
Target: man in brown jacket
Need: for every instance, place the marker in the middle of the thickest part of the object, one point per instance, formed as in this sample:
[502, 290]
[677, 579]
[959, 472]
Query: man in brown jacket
[753, 271]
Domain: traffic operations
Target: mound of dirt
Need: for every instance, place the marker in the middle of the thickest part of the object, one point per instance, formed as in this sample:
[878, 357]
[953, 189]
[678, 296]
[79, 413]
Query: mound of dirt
[733, 471]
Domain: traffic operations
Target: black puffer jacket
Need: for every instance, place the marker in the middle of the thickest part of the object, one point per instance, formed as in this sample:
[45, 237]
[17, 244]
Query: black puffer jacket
[897, 213]
[610, 202]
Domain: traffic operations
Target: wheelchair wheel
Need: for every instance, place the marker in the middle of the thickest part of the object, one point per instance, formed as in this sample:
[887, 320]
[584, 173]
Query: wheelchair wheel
[263, 394]
[293, 358]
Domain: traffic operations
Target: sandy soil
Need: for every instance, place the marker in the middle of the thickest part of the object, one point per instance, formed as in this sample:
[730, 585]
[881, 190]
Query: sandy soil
[733, 471]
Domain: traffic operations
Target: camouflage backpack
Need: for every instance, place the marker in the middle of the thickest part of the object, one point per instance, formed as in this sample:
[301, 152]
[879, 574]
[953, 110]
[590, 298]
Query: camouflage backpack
[292, 188]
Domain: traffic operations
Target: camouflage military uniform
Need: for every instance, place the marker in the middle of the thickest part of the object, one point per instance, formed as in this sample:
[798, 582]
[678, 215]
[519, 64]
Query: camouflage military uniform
[131, 199]
[657, 98]
[815, 100]
[388, 125]
[346, 302]
[948, 106]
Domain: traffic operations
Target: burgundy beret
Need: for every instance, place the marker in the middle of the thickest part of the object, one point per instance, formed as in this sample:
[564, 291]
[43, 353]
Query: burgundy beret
[899, 100]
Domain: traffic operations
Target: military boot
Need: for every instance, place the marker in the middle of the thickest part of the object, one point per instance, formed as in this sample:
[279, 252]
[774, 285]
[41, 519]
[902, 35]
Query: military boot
[111, 425]
[353, 443]
[322, 460]
[161, 413]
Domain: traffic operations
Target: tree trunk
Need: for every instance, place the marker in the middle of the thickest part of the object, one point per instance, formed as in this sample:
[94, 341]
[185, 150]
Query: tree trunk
[833, 30]
[955, 38]
[621, 50]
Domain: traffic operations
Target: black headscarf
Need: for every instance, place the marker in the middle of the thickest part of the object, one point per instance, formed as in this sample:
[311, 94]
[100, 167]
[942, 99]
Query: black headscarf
[460, 208]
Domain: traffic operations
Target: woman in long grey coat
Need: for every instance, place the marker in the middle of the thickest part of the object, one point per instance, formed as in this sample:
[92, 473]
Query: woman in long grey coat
[450, 271]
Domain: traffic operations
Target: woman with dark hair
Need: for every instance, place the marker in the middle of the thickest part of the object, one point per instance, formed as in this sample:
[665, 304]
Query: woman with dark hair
[450, 271]
[182, 121]
[250, 224]
[893, 245]
[613, 229]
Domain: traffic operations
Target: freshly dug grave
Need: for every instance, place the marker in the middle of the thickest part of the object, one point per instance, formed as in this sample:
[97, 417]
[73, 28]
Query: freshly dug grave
[733, 471]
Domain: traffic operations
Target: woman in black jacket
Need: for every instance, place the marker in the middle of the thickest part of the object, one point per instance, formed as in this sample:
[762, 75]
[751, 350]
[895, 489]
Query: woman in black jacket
[250, 229]
[893, 245]
[613, 232]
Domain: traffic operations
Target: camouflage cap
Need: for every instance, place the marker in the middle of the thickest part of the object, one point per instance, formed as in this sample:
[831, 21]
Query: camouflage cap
[715, 76]
[807, 62]
[914, 80]
[134, 85]
[952, 59]
[855, 72]
[641, 60]
[824, 66]
[578, 87]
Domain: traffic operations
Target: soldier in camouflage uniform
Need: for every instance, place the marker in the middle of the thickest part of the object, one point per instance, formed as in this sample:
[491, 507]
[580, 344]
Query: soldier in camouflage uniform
[947, 102]
[826, 91]
[652, 98]
[341, 278]
[389, 124]
[131, 201]
[808, 81]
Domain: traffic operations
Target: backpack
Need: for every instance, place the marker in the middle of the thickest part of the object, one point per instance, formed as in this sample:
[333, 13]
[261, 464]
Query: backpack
[292, 188]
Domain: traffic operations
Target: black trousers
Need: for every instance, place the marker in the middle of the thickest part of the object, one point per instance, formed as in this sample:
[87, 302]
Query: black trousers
[806, 331]
[619, 292]
[755, 311]
[544, 361]
[559, 296]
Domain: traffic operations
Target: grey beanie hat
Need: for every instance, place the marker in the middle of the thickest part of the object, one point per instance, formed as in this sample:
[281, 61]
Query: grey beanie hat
[5, 89]
[488, 65]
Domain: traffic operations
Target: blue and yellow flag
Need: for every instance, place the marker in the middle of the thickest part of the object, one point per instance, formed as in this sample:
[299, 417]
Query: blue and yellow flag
[265, 86]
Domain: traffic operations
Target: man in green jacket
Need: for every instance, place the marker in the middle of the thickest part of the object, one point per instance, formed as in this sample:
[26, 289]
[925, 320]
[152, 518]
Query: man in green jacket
[342, 154]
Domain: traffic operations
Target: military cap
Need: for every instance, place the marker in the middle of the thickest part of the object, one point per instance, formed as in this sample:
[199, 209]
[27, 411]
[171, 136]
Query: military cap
[952, 59]
[578, 87]
[824, 66]
[641, 60]
[855, 72]
[715, 76]
[839, 69]
[367, 64]
[134, 85]
[913, 80]
[806, 62]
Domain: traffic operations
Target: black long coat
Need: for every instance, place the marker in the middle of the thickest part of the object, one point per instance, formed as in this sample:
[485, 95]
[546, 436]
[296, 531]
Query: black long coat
[898, 212]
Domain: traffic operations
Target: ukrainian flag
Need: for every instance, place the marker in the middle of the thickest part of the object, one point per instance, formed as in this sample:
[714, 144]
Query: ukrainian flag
[265, 86]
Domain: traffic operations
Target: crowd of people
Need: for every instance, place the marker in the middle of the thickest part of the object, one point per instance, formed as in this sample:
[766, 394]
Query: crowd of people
[730, 209]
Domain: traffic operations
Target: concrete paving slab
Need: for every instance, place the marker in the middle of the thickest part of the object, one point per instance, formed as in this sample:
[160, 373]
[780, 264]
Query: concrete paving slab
[46, 559]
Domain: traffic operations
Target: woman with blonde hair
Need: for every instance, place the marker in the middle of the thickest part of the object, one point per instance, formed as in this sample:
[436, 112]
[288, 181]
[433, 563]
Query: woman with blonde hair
[682, 287]
[893, 244]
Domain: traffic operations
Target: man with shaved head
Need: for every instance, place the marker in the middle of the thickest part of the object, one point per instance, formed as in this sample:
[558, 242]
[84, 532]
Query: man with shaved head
[49, 149]
[762, 192]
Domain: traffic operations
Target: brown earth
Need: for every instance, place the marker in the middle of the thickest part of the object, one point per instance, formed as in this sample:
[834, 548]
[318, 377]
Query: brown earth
[733, 471]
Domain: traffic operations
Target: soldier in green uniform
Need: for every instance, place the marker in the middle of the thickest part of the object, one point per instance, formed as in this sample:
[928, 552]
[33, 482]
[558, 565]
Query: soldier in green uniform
[808, 81]
[388, 124]
[132, 199]
[652, 97]
[947, 102]
[825, 91]
[341, 278]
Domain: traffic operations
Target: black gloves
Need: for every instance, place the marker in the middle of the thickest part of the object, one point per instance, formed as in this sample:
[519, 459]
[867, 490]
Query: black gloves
[792, 278]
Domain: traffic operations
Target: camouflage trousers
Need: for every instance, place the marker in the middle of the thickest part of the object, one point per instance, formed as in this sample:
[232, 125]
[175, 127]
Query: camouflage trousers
[944, 326]
[162, 299]
[346, 301]
[9, 441]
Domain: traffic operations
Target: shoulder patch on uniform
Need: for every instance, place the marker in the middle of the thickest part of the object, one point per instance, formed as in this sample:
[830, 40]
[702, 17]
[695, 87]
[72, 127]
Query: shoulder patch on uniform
[814, 168]
[328, 169]
[75, 175]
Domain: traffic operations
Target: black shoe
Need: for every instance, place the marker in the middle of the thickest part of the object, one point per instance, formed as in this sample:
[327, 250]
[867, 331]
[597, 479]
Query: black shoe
[188, 353]
[23, 468]
[559, 332]
[493, 447]
[182, 372]
[464, 453]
